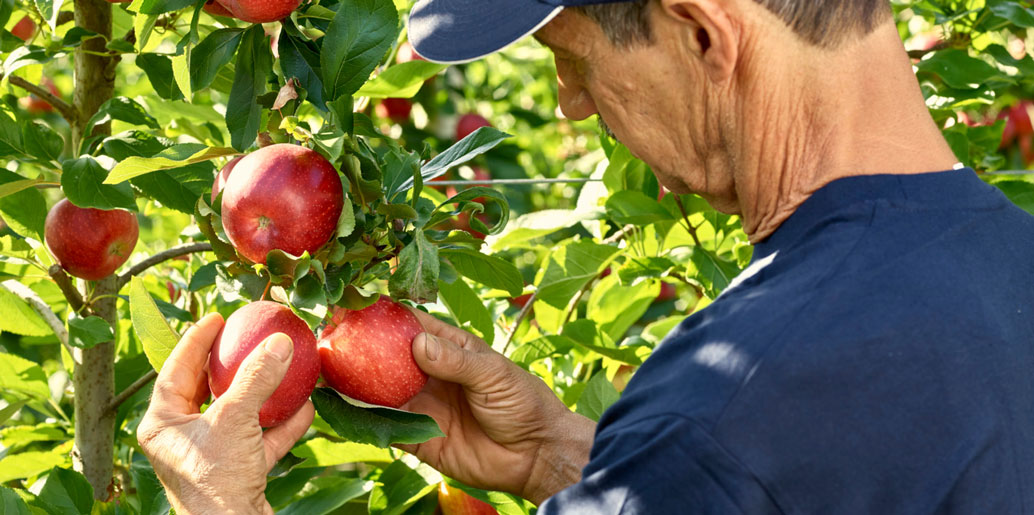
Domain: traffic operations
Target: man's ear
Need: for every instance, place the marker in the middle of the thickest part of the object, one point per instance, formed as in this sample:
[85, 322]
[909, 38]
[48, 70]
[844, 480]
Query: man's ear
[714, 34]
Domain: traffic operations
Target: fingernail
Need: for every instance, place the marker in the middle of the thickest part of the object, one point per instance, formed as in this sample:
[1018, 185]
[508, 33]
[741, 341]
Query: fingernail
[431, 347]
[279, 345]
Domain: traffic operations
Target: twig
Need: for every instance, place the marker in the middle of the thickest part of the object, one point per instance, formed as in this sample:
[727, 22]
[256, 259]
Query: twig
[165, 255]
[920, 53]
[72, 295]
[67, 111]
[41, 308]
[132, 389]
[489, 182]
[520, 318]
[689, 226]
[614, 238]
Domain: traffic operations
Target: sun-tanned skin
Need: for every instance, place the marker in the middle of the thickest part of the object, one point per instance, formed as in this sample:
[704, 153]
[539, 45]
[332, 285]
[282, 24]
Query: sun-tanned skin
[725, 102]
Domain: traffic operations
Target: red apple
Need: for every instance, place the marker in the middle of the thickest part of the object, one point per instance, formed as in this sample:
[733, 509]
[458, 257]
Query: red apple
[90, 243]
[1017, 122]
[283, 196]
[454, 501]
[521, 300]
[216, 9]
[36, 105]
[469, 123]
[260, 11]
[224, 175]
[406, 53]
[368, 354]
[394, 109]
[246, 329]
[24, 29]
[667, 293]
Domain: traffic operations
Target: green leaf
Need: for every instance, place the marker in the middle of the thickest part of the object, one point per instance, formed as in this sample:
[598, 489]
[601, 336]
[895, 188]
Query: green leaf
[173, 157]
[626, 173]
[465, 306]
[211, 54]
[25, 377]
[399, 169]
[504, 503]
[475, 144]
[300, 58]
[10, 410]
[150, 492]
[29, 464]
[634, 207]
[26, 211]
[41, 141]
[27, 56]
[356, 40]
[203, 277]
[487, 270]
[332, 496]
[11, 504]
[87, 332]
[10, 136]
[584, 333]
[49, 9]
[157, 338]
[178, 188]
[599, 395]
[958, 70]
[715, 273]
[20, 436]
[1020, 193]
[254, 62]
[16, 316]
[66, 491]
[83, 181]
[1016, 13]
[158, 6]
[159, 71]
[570, 268]
[401, 80]
[320, 452]
[399, 487]
[416, 277]
[375, 426]
[123, 109]
[616, 308]
[541, 347]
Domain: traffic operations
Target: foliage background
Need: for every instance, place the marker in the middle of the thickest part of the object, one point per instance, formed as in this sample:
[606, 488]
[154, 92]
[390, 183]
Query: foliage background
[605, 260]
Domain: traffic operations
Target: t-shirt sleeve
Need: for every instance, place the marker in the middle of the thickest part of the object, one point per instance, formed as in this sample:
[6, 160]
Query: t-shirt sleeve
[662, 464]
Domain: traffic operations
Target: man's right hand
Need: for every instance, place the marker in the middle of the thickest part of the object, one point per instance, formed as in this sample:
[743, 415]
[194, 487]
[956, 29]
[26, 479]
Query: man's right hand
[506, 430]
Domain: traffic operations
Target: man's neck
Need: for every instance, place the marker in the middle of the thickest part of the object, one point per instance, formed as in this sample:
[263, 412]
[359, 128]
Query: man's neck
[856, 110]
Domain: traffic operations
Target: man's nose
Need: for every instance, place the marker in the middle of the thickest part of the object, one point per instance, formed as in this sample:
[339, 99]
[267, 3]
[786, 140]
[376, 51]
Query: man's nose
[575, 101]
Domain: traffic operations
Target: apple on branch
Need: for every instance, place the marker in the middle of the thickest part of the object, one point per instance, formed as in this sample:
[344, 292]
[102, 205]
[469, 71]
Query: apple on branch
[244, 330]
[469, 123]
[260, 11]
[24, 29]
[367, 354]
[283, 196]
[90, 243]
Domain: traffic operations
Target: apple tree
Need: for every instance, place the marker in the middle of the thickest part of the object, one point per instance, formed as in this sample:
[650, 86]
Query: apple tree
[463, 194]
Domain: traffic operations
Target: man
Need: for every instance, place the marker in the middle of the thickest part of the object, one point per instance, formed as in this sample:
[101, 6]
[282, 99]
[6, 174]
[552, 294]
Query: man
[874, 358]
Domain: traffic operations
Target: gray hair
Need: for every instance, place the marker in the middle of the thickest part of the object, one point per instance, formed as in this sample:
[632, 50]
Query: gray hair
[821, 23]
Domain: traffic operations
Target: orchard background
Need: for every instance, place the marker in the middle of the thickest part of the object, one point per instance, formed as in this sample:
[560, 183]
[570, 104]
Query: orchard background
[575, 264]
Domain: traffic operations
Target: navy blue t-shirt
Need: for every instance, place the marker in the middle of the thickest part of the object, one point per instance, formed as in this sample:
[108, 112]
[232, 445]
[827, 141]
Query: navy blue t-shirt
[877, 357]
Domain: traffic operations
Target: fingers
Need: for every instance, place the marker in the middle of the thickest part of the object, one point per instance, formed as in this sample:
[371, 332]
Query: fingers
[471, 367]
[455, 334]
[178, 382]
[258, 376]
[280, 439]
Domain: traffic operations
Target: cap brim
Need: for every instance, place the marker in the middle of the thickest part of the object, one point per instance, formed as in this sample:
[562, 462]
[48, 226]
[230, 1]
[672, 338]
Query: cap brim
[460, 31]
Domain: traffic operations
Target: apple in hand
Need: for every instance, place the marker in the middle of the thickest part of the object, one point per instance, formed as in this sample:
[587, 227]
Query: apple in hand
[368, 354]
[469, 123]
[260, 11]
[283, 196]
[90, 243]
[454, 501]
[244, 330]
[224, 175]
[24, 29]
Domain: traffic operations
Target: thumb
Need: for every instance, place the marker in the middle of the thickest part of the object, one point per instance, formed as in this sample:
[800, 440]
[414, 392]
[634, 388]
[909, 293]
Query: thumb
[259, 375]
[442, 359]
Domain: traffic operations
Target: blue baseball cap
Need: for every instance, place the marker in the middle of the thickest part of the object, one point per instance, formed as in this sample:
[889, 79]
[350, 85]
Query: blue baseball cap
[459, 31]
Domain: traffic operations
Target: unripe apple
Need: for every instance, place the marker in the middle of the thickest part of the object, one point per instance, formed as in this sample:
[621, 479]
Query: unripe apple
[454, 501]
[224, 175]
[469, 123]
[260, 11]
[90, 243]
[24, 29]
[244, 330]
[368, 354]
[283, 196]
[394, 109]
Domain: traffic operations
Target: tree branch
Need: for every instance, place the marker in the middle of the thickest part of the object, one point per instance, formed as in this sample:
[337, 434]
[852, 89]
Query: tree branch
[41, 308]
[75, 299]
[132, 389]
[161, 257]
[67, 111]
[517, 321]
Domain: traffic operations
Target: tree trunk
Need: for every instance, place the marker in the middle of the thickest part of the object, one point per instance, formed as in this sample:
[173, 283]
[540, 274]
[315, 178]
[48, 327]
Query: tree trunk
[94, 74]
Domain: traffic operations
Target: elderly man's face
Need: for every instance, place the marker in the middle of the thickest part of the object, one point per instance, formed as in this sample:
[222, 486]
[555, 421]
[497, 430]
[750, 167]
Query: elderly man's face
[645, 94]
